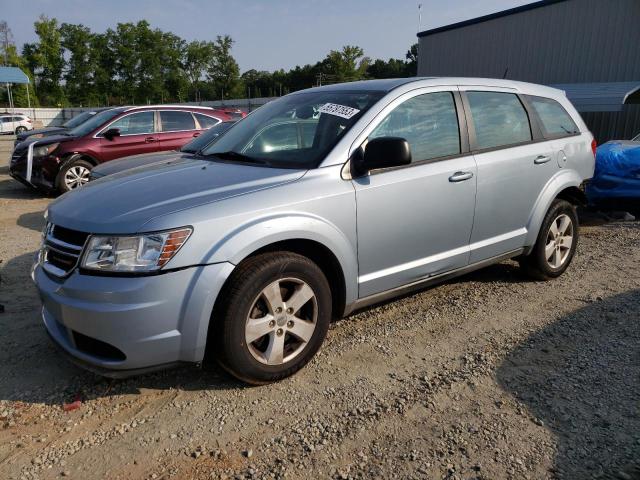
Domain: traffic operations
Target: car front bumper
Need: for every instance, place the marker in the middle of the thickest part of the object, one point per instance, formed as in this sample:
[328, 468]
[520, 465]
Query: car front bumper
[121, 326]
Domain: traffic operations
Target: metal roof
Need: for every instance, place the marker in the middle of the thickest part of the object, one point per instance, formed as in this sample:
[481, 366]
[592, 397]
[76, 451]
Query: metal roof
[12, 75]
[601, 97]
[491, 16]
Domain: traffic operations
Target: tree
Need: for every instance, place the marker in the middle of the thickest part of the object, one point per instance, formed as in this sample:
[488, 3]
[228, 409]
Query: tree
[46, 60]
[197, 56]
[6, 39]
[412, 60]
[346, 65]
[81, 66]
[223, 69]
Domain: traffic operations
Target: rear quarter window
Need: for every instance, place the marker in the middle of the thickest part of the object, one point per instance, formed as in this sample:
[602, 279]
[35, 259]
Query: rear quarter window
[206, 121]
[555, 121]
[499, 119]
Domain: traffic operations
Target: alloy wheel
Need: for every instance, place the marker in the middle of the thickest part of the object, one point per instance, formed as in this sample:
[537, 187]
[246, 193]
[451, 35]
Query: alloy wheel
[281, 321]
[559, 241]
[76, 176]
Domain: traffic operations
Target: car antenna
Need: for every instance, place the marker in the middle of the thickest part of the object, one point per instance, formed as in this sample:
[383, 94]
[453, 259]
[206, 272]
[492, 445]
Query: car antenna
[504, 75]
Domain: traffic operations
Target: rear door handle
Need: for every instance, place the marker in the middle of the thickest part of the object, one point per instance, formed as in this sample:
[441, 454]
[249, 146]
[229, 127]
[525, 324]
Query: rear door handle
[460, 176]
[149, 139]
[541, 159]
[197, 134]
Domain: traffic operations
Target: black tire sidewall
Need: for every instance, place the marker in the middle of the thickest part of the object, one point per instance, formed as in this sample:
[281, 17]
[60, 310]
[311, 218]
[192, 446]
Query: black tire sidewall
[558, 207]
[19, 130]
[234, 354]
[73, 161]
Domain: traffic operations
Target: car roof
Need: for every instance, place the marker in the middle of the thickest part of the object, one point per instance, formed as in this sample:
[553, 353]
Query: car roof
[386, 85]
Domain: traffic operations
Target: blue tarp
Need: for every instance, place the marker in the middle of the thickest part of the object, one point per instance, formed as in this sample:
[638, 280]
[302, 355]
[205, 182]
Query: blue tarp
[617, 173]
[12, 75]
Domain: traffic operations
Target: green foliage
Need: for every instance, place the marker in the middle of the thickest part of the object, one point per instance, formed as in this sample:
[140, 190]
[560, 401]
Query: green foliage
[136, 64]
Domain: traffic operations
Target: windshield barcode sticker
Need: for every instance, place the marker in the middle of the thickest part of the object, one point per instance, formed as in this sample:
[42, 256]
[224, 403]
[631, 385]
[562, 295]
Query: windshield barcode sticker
[338, 110]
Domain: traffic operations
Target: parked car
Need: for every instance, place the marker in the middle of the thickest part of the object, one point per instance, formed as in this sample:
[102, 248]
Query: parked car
[63, 162]
[17, 123]
[616, 181]
[243, 254]
[66, 126]
[135, 161]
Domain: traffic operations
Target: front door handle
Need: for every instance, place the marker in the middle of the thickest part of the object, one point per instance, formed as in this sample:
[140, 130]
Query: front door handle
[197, 134]
[149, 139]
[541, 159]
[460, 176]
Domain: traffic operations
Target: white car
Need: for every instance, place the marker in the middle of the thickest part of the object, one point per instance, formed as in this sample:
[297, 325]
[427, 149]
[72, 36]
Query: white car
[15, 123]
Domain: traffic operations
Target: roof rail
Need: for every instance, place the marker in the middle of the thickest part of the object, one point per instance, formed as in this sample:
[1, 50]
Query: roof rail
[128, 109]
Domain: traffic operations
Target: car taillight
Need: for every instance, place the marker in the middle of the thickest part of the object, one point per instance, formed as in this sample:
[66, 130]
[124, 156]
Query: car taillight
[594, 146]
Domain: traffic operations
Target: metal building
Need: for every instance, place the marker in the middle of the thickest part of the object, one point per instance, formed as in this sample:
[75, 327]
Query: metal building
[589, 48]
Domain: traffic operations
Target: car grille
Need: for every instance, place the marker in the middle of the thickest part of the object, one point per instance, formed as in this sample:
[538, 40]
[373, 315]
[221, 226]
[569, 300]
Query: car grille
[61, 249]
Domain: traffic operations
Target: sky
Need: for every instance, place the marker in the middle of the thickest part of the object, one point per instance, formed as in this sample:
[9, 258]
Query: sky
[268, 34]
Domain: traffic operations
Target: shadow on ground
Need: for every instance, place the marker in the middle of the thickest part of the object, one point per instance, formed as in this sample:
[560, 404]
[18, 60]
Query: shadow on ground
[581, 377]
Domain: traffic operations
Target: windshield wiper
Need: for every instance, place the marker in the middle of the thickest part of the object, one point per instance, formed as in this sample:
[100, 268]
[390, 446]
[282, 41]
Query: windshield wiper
[237, 156]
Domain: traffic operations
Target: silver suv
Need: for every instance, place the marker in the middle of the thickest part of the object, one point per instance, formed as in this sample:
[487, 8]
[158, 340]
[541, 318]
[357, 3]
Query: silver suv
[319, 203]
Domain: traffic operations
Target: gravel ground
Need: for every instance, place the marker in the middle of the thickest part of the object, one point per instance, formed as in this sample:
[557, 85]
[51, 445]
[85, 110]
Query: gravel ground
[488, 377]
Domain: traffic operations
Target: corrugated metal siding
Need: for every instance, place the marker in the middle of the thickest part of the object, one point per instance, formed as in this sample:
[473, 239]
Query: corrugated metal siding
[573, 41]
[567, 42]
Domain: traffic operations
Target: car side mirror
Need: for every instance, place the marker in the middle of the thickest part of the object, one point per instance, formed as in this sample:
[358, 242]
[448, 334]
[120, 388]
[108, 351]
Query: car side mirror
[382, 152]
[111, 133]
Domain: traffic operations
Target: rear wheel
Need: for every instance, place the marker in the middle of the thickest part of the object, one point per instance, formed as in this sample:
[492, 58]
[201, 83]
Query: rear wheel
[20, 129]
[274, 316]
[74, 174]
[556, 243]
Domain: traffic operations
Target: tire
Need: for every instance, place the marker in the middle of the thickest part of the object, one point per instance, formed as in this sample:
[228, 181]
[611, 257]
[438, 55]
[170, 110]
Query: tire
[556, 243]
[20, 129]
[73, 169]
[249, 308]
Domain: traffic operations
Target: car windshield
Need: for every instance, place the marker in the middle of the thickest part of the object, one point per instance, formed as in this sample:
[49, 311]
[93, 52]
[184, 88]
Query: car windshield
[78, 120]
[207, 137]
[296, 131]
[94, 122]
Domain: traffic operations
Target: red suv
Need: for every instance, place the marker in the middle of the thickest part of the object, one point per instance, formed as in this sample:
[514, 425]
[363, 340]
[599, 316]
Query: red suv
[63, 162]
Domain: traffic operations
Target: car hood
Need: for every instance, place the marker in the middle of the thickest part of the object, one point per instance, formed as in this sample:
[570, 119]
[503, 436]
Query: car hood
[125, 201]
[134, 161]
[40, 131]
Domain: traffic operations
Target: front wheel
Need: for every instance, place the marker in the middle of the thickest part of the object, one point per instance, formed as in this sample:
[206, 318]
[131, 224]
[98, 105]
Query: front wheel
[274, 316]
[20, 129]
[73, 174]
[556, 243]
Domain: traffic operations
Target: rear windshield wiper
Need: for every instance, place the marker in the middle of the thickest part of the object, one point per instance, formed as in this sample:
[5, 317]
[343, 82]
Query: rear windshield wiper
[241, 157]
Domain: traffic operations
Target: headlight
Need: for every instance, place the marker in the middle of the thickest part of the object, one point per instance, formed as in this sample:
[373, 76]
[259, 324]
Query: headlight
[44, 150]
[140, 253]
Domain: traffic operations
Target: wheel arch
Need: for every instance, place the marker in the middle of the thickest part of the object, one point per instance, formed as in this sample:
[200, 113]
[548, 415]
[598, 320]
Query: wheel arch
[565, 185]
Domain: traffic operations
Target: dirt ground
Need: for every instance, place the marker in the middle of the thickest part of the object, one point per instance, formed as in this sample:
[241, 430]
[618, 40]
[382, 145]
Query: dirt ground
[491, 376]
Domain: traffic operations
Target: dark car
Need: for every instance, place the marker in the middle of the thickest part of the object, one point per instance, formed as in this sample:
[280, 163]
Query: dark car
[59, 163]
[66, 126]
[194, 146]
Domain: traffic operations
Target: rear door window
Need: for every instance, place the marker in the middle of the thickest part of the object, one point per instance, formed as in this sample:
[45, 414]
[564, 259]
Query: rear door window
[205, 121]
[135, 124]
[428, 122]
[554, 119]
[499, 119]
[175, 121]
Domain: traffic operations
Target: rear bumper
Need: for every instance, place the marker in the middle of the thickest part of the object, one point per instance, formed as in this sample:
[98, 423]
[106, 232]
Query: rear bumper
[122, 326]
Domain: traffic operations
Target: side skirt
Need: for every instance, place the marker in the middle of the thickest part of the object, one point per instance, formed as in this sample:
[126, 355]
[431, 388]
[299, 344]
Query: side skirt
[427, 282]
